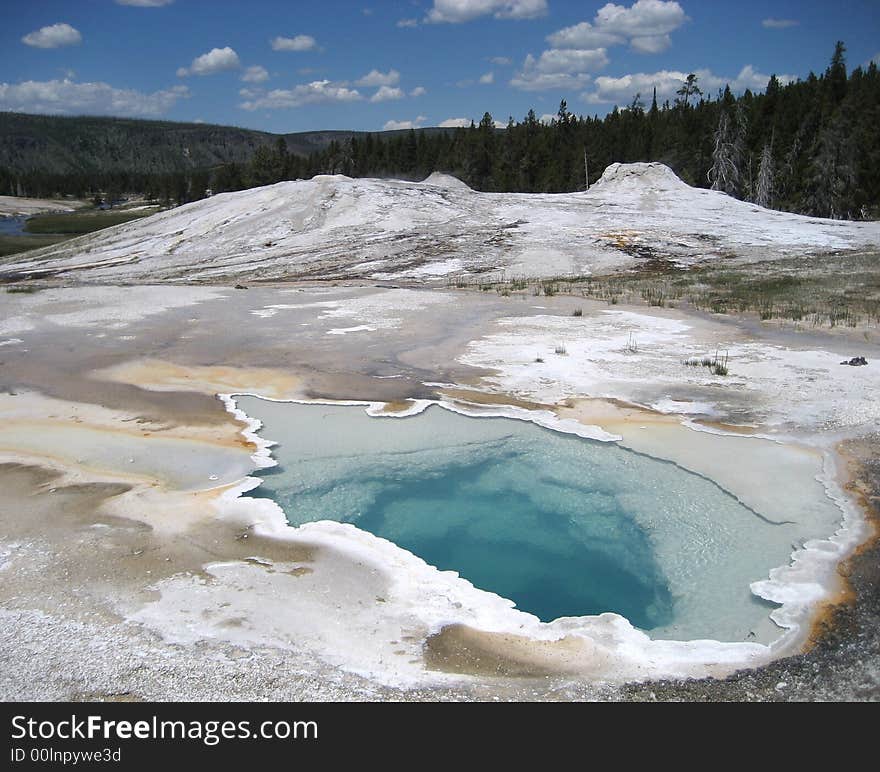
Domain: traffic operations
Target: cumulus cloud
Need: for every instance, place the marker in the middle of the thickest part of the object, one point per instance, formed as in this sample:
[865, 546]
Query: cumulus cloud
[559, 69]
[316, 92]
[642, 18]
[455, 123]
[779, 23]
[387, 94]
[297, 43]
[583, 35]
[145, 3]
[66, 97]
[255, 74]
[397, 125]
[418, 91]
[645, 25]
[569, 60]
[404, 23]
[621, 90]
[374, 78]
[557, 81]
[53, 36]
[216, 60]
[487, 79]
[457, 11]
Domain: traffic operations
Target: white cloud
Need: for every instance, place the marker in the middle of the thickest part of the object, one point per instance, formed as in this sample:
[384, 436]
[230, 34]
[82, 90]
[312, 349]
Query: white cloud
[418, 91]
[547, 118]
[387, 94]
[583, 35]
[297, 43]
[255, 74]
[457, 11]
[569, 60]
[501, 61]
[397, 125]
[642, 18]
[750, 78]
[316, 92]
[216, 60]
[454, 123]
[557, 81]
[876, 59]
[375, 78]
[145, 3]
[779, 23]
[405, 23]
[53, 36]
[487, 79]
[621, 90]
[651, 44]
[645, 25]
[67, 97]
[559, 69]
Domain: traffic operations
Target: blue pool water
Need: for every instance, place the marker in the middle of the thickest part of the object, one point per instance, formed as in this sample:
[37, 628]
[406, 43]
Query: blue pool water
[12, 226]
[560, 525]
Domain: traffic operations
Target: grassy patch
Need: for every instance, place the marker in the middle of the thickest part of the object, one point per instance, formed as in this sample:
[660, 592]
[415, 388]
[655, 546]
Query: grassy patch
[22, 289]
[831, 290]
[76, 224]
[13, 245]
[717, 365]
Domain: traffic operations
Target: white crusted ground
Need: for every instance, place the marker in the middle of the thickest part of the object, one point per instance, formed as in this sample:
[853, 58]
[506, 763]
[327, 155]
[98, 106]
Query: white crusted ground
[13, 206]
[337, 227]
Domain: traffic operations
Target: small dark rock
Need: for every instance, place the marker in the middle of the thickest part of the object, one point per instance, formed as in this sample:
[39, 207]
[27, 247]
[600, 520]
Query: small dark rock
[240, 286]
[855, 361]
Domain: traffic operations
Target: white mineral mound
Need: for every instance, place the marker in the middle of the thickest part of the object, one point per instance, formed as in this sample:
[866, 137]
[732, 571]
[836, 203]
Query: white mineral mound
[640, 177]
[441, 180]
[334, 227]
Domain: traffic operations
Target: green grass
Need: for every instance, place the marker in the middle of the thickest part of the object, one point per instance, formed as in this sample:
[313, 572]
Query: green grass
[22, 289]
[13, 245]
[77, 224]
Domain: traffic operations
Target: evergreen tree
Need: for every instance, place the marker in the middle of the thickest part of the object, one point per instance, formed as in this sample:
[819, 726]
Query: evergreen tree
[688, 89]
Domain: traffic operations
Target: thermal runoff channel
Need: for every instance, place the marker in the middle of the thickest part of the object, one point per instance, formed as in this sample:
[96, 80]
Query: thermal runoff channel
[560, 525]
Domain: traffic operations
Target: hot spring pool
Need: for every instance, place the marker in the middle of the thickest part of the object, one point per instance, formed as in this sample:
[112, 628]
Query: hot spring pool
[560, 525]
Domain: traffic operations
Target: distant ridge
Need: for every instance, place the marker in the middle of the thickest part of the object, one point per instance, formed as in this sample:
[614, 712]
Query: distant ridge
[63, 144]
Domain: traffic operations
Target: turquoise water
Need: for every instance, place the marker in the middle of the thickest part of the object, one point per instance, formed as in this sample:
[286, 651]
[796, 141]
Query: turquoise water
[560, 525]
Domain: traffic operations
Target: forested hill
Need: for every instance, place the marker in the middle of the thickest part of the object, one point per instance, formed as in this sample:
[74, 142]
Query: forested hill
[812, 147]
[67, 145]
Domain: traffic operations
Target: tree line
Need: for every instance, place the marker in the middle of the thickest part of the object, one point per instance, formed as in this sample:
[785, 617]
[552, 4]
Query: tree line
[811, 146]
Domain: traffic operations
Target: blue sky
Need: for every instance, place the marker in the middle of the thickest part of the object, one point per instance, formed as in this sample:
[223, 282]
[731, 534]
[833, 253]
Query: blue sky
[286, 66]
